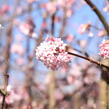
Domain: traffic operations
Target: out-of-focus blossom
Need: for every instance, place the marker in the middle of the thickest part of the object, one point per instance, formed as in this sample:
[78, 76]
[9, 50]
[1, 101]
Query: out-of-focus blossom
[50, 7]
[57, 19]
[77, 70]
[69, 2]
[69, 12]
[31, 1]
[101, 33]
[44, 24]
[52, 52]
[90, 34]
[17, 48]
[104, 49]
[65, 68]
[19, 10]
[13, 97]
[69, 89]
[59, 95]
[84, 28]
[20, 61]
[27, 27]
[73, 77]
[85, 65]
[70, 79]
[69, 38]
[83, 43]
[47, 80]
[19, 38]
[61, 3]
[1, 99]
[34, 35]
[9, 88]
[1, 27]
[106, 8]
[4, 9]
[89, 79]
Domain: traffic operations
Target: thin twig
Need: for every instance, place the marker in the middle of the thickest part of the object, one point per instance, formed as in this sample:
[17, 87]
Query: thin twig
[99, 14]
[3, 102]
[89, 59]
[7, 53]
[64, 22]
[53, 23]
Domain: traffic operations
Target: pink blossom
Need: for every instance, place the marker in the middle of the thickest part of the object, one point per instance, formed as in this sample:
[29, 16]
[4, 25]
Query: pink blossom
[101, 33]
[58, 95]
[70, 38]
[57, 19]
[84, 28]
[4, 9]
[17, 48]
[62, 3]
[106, 8]
[20, 61]
[83, 43]
[69, 12]
[27, 27]
[31, 1]
[44, 24]
[52, 52]
[50, 7]
[104, 49]
[69, 3]
[13, 97]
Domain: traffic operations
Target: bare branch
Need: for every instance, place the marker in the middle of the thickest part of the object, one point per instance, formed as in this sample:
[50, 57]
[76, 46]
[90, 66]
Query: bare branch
[99, 14]
[89, 59]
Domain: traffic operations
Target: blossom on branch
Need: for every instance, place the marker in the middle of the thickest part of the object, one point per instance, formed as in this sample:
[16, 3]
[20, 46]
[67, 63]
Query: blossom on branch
[104, 49]
[52, 52]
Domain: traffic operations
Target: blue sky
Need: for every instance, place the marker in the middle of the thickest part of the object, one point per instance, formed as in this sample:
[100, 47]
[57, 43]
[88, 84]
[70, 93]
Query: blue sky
[81, 15]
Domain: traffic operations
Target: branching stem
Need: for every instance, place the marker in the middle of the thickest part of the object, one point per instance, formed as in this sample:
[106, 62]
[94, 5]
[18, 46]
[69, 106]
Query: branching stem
[89, 59]
[99, 14]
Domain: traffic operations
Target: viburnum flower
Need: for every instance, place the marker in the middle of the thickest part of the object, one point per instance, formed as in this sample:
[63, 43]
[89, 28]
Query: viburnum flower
[52, 52]
[104, 49]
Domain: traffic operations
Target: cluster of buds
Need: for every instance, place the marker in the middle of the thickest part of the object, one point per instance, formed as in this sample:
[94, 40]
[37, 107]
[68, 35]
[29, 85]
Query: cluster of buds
[52, 52]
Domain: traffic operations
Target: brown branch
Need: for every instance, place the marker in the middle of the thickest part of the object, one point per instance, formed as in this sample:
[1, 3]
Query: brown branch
[64, 22]
[3, 102]
[7, 66]
[89, 59]
[7, 53]
[51, 91]
[53, 23]
[99, 14]
[102, 95]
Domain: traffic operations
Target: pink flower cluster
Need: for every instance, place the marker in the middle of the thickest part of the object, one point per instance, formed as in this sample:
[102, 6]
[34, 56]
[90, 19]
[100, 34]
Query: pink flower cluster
[104, 49]
[52, 6]
[52, 52]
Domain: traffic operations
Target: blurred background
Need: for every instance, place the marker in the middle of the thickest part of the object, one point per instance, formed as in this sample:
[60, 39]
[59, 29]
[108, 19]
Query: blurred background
[24, 24]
